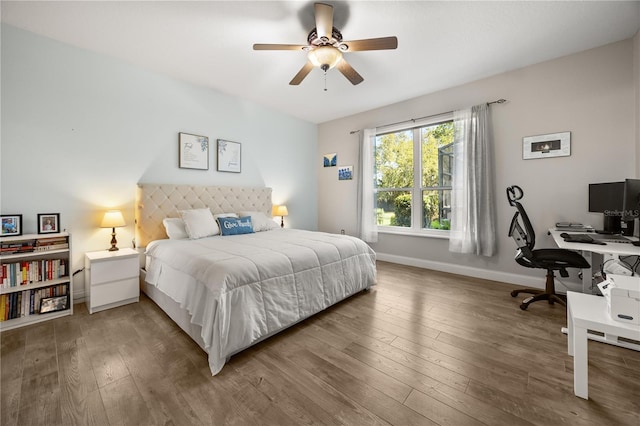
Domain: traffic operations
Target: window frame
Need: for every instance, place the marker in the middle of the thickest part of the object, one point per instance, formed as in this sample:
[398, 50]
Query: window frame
[416, 228]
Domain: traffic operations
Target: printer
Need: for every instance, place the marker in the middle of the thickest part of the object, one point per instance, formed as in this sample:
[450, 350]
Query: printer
[623, 297]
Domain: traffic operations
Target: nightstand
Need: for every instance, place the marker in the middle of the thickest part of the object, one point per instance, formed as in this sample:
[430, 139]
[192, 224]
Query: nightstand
[111, 278]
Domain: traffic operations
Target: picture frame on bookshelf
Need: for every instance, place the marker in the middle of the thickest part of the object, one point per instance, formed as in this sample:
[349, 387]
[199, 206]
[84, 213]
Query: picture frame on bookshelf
[48, 223]
[11, 225]
[54, 304]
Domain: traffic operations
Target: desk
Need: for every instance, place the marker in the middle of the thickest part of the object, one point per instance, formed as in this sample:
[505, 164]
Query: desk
[609, 251]
[589, 312]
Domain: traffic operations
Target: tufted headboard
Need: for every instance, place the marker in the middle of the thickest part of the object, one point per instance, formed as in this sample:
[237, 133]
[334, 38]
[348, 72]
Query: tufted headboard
[154, 202]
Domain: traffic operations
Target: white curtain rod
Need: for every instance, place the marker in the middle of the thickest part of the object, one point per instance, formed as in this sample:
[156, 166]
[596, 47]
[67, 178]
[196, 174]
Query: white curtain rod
[413, 120]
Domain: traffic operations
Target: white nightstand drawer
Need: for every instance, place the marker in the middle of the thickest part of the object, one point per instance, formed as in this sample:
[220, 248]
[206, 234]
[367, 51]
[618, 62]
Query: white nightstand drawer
[111, 279]
[114, 292]
[113, 270]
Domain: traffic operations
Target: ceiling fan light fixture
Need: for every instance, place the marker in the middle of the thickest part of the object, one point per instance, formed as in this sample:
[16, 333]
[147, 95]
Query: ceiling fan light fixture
[325, 57]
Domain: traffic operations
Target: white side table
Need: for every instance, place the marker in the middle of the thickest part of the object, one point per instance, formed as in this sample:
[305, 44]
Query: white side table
[589, 312]
[111, 279]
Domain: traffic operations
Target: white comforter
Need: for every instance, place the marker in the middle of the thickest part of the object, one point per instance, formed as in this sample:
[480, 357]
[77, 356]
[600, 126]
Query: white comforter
[246, 287]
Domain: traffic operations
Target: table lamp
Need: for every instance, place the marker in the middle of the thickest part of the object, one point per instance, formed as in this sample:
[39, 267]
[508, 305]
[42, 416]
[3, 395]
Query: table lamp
[113, 219]
[280, 211]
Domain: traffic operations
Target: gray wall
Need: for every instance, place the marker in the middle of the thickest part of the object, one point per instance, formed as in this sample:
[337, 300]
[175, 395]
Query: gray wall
[591, 94]
[80, 129]
[636, 76]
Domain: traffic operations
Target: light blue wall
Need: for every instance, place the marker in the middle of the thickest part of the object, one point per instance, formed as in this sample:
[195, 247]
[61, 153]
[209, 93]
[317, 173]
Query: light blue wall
[80, 129]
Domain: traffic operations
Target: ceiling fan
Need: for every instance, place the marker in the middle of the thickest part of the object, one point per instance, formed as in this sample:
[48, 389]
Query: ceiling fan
[325, 47]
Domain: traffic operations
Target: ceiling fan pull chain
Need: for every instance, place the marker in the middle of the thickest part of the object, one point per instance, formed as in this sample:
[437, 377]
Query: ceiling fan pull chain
[325, 81]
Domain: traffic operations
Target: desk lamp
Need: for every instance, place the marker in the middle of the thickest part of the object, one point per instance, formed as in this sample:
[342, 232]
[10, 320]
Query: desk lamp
[113, 219]
[280, 211]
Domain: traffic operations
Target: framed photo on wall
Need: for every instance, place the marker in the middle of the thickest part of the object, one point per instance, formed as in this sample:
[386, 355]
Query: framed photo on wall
[193, 151]
[11, 225]
[546, 146]
[330, 160]
[48, 223]
[345, 172]
[229, 156]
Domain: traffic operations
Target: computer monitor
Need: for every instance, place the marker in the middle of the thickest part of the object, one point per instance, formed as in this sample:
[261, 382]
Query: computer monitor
[608, 198]
[631, 202]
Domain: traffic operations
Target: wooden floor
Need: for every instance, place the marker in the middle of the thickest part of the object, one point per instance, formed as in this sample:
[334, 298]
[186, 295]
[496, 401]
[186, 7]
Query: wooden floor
[421, 348]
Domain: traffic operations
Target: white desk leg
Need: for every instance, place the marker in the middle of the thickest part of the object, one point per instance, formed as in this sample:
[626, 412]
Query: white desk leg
[587, 274]
[569, 330]
[580, 363]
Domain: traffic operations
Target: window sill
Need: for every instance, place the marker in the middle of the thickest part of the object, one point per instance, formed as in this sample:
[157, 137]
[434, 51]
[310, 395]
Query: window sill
[430, 233]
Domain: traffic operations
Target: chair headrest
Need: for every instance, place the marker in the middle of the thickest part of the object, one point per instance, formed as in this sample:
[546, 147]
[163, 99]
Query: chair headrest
[514, 193]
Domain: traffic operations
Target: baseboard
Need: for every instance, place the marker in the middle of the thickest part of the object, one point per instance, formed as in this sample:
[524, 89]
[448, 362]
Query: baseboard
[78, 296]
[505, 277]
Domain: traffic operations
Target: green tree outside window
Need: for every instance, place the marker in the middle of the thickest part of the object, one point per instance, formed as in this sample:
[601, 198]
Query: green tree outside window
[395, 171]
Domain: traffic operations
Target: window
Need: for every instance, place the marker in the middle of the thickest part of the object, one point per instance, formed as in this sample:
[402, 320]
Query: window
[413, 167]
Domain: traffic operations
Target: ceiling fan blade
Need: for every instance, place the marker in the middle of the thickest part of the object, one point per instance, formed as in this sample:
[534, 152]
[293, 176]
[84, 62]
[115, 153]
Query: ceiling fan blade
[382, 43]
[279, 46]
[306, 69]
[324, 19]
[348, 71]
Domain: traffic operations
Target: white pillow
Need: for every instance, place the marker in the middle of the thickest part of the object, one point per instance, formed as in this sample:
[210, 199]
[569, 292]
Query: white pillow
[260, 221]
[199, 223]
[215, 216]
[174, 227]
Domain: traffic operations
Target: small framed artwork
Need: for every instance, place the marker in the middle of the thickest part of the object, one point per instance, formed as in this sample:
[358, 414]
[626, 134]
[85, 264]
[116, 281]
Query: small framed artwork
[48, 223]
[330, 160]
[193, 151]
[11, 225]
[54, 304]
[345, 173]
[229, 156]
[546, 146]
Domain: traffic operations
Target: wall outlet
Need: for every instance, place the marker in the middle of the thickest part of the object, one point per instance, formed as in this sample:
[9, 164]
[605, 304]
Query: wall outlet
[342, 231]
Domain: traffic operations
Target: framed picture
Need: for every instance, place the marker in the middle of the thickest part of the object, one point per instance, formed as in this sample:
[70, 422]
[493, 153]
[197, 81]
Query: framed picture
[330, 160]
[546, 146]
[193, 151]
[229, 156]
[11, 225]
[48, 223]
[345, 173]
[53, 304]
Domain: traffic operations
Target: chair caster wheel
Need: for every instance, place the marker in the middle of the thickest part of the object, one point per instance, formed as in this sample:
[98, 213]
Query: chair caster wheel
[524, 306]
[514, 293]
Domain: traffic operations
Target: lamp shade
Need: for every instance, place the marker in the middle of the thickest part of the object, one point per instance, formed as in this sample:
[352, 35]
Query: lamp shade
[112, 219]
[279, 211]
[325, 55]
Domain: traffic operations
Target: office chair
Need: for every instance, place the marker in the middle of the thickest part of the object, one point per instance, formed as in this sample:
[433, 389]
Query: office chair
[552, 259]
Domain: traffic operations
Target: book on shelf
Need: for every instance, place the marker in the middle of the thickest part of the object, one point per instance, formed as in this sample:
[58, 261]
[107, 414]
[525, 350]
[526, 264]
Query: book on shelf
[61, 246]
[27, 302]
[14, 247]
[28, 272]
[31, 245]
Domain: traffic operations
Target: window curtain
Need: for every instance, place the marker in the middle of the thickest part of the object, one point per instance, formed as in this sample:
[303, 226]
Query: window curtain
[367, 226]
[473, 227]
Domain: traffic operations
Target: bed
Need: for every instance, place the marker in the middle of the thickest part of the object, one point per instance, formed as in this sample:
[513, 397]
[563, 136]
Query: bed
[230, 292]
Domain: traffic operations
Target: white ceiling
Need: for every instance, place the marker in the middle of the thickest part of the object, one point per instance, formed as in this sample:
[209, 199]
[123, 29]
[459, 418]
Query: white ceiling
[440, 44]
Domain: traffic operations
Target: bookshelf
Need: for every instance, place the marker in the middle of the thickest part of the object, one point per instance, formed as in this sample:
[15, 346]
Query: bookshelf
[33, 268]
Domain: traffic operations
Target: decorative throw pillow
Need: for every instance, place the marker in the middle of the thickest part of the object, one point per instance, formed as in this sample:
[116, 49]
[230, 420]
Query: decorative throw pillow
[260, 221]
[174, 227]
[199, 223]
[235, 226]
